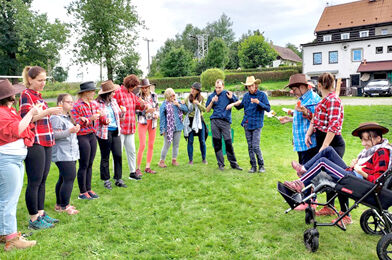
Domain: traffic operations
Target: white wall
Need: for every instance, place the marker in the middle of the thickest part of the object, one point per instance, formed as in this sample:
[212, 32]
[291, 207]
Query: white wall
[345, 66]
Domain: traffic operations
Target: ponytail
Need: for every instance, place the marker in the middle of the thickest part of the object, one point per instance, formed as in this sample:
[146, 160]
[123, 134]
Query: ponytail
[326, 80]
[31, 72]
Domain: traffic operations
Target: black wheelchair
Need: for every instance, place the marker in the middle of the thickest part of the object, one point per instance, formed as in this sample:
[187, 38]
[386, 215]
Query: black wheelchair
[374, 221]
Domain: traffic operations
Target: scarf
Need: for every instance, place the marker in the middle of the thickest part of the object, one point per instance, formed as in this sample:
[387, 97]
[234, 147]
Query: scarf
[196, 123]
[171, 128]
[365, 155]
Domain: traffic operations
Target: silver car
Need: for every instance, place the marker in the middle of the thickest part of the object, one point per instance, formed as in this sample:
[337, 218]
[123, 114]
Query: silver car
[378, 88]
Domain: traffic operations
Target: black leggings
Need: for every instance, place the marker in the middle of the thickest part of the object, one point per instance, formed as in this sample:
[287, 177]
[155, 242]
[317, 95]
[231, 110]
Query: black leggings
[339, 146]
[87, 149]
[37, 162]
[67, 174]
[113, 143]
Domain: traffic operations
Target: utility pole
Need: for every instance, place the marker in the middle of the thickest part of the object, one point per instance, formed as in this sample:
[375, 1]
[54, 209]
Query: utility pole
[148, 52]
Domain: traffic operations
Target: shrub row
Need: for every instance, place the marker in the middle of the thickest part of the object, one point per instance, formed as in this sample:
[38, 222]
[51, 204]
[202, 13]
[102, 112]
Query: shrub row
[297, 68]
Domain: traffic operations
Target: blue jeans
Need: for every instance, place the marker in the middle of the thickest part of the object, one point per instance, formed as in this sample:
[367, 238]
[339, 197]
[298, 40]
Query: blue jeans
[11, 182]
[202, 141]
[253, 139]
[328, 161]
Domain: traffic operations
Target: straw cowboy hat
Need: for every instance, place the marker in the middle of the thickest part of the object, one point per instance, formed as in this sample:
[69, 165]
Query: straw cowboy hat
[107, 86]
[296, 80]
[8, 90]
[250, 81]
[87, 86]
[369, 126]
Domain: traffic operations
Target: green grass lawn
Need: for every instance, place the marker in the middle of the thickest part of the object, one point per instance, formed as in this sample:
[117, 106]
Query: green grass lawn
[199, 212]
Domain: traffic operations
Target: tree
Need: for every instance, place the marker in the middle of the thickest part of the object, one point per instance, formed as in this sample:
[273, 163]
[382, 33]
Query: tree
[234, 61]
[254, 52]
[177, 63]
[59, 74]
[107, 30]
[217, 56]
[208, 78]
[294, 49]
[28, 38]
[128, 65]
[221, 29]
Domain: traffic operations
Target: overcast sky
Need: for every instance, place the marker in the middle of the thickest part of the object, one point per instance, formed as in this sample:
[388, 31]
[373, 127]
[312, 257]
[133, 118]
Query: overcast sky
[282, 21]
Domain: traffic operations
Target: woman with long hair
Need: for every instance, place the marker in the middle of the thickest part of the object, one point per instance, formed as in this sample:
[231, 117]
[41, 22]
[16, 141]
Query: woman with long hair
[34, 79]
[65, 153]
[147, 122]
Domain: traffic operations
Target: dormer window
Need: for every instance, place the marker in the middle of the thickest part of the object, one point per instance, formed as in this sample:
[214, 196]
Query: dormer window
[327, 38]
[364, 34]
[345, 36]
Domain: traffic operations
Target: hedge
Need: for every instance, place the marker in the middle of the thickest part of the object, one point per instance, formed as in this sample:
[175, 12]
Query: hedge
[232, 78]
[297, 68]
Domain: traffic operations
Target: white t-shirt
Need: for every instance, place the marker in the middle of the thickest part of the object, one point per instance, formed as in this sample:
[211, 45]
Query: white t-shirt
[15, 148]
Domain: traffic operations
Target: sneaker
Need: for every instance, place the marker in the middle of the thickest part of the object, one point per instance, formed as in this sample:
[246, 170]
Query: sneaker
[19, 242]
[174, 162]
[190, 162]
[120, 183]
[261, 169]
[296, 185]
[299, 168]
[221, 167]
[302, 207]
[49, 219]
[252, 170]
[326, 211]
[84, 196]
[134, 176]
[204, 162]
[70, 210]
[236, 167]
[139, 172]
[148, 170]
[39, 223]
[162, 164]
[93, 194]
[107, 184]
[346, 220]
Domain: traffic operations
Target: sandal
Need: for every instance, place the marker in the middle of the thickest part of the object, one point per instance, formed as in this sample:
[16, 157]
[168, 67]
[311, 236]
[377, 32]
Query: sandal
[71, 210]
[57, 208]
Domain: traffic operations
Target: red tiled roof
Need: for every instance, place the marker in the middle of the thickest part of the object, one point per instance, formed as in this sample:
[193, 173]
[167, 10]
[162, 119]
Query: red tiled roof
[354, 14]
[286, 53]
[375, 66]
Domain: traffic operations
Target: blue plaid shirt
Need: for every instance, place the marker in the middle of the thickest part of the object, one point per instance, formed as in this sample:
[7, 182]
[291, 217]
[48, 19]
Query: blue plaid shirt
[254, 113]
[301, 123]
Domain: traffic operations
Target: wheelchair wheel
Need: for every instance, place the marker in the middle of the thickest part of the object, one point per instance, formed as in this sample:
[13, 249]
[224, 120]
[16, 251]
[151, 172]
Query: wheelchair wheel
[384, 247]
[371, 223]
[311, 239]
[309, 215]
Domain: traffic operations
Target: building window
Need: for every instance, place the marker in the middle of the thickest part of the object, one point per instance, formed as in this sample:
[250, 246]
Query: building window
[333, 57]
[379, 50]
[345, 36]
[327, 38]
[317, 58]
[389, 49]
[364, 34]
[356, 54]
[384, 31]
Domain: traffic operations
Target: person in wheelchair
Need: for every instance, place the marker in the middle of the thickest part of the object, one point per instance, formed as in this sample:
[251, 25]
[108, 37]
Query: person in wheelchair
[372, 161]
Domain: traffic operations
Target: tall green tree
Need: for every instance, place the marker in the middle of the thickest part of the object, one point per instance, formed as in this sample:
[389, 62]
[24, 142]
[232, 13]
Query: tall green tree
[28, 38]
[128, 65]
[177, 63]
[107, 30]
[234, 61]
[254, 52]
[222, 28]
[218, 54]
[60, 74]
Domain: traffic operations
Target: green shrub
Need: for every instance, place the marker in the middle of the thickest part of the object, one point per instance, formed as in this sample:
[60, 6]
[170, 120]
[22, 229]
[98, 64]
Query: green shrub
[209, 77]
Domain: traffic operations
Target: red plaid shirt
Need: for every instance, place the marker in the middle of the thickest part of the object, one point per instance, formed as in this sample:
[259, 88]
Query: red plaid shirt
[132, 103]
[82, 109]
[42, 130]
[377, 165]
[328, 115]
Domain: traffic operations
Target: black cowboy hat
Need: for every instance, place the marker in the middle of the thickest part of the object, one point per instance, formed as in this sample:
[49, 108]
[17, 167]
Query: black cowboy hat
[87, 86]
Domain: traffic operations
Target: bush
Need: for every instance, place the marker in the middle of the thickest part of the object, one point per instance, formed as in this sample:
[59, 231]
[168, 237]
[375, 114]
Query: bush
[209, 77]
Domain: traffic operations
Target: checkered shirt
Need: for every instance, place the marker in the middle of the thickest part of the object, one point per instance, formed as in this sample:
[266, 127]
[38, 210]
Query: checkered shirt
[82, 109]
[42, 130]
[132, 103]
[377, 165]
[328, 116]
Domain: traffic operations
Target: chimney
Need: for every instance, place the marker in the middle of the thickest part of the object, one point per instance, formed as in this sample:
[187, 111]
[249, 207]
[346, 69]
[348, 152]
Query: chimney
[364, 61]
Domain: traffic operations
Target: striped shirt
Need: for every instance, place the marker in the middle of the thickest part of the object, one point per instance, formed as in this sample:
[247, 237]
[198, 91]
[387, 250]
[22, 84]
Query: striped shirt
[42, 130]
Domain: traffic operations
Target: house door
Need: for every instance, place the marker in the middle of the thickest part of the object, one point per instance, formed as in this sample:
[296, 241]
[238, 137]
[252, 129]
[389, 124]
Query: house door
[354, 80]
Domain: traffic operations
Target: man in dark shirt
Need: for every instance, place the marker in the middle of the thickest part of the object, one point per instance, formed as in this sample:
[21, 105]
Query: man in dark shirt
[220, 124]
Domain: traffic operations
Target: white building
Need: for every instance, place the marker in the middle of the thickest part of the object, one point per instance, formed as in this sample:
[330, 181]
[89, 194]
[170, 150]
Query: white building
[349, 38]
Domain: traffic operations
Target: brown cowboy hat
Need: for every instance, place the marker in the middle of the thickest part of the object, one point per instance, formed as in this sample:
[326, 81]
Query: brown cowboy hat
[107, 86]
[8, 90]
[297, 79]
[250, 81]
[369, 126]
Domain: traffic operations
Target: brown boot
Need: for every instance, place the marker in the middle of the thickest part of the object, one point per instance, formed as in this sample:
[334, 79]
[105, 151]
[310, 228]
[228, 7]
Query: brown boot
[162, 164]
[174, 162]
[18, 242]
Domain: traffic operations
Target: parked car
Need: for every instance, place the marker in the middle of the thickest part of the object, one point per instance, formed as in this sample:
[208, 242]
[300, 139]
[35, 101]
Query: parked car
[378, 88]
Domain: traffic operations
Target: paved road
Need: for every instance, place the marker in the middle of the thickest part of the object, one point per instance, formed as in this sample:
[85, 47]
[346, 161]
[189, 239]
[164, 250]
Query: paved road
[346, 101]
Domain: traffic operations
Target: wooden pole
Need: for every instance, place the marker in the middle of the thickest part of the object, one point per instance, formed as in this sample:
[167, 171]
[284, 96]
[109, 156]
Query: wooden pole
[338, 84]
